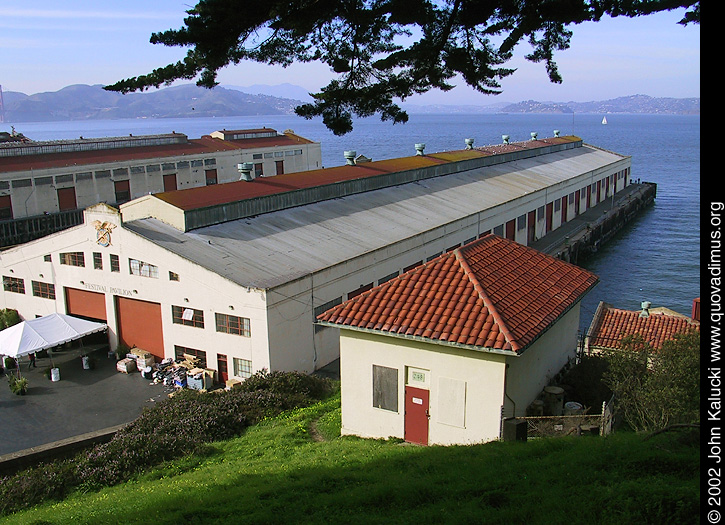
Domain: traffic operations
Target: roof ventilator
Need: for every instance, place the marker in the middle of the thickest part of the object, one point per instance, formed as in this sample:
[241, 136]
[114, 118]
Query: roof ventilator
[557, 133]
[534, 135]
[645, 309]
[245, 170]
[505, 139]
[350, 157]
[419, 148]
[469, 143]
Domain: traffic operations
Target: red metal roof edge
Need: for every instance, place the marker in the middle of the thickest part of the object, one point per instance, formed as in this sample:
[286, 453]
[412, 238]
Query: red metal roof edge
[207, 196]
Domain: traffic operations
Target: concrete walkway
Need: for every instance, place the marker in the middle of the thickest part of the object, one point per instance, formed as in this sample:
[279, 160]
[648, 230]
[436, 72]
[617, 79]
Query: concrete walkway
[82, 401]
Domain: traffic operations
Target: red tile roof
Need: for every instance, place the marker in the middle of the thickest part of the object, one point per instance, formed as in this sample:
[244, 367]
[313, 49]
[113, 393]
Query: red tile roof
[493, 293]
[610, 325]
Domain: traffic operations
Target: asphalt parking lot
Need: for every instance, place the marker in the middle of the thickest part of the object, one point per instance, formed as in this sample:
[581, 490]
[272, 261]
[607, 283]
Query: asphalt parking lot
[81, 401]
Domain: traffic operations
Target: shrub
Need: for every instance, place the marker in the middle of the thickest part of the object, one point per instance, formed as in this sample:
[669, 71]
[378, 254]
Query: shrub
[8, 317]
[177, 426]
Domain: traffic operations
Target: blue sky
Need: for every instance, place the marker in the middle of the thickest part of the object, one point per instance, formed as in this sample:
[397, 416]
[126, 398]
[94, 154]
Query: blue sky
[46, 45]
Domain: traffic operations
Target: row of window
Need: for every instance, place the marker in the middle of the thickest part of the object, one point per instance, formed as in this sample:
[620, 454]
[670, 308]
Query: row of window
[228, 324]
[277, 154]
[135, 266]
[40, 288]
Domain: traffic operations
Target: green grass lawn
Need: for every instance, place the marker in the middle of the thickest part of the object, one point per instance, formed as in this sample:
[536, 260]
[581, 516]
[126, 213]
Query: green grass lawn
[277, 472]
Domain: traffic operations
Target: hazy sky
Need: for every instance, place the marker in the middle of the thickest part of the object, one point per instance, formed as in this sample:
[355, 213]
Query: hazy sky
[46, 45]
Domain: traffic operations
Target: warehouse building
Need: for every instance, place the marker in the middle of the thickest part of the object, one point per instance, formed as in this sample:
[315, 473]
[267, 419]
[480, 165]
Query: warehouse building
[237, 274]
[46, 177]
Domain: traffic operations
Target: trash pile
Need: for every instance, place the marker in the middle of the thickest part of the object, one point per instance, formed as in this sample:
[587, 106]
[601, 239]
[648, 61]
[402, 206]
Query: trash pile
[180, 373]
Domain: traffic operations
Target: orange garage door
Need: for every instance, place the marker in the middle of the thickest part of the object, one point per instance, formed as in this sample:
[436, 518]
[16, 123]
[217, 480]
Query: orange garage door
[139, 324]
[89, 305]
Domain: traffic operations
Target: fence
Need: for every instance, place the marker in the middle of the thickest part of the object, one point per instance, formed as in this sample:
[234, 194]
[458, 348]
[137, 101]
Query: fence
[571, 425]
[17, 231]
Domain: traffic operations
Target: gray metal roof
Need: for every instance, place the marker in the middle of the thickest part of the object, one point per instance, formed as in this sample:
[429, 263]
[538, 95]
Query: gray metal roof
[275, 248]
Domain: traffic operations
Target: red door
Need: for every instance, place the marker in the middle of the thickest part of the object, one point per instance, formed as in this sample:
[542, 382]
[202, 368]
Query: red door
[531, 227]
[170, 182]
[511, 230]
[564, 209]
[139, 324]
[549, 217]
[221, 361]
[66, 199]
[89, 305]
[416, 415]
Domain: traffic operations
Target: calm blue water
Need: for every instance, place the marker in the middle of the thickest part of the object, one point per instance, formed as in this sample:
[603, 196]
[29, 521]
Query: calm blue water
[656, 258]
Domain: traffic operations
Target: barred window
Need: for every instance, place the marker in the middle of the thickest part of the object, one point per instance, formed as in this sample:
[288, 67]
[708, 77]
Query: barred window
[45, 290]
[187, 316]
[13, 284]
[242, 368]
[143, 269]
[73, 259]
[115, 263]
[97, 261]
[179, 352]
[231, 324]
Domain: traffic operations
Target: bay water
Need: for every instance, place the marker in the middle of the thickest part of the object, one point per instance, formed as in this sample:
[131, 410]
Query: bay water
[655, 258]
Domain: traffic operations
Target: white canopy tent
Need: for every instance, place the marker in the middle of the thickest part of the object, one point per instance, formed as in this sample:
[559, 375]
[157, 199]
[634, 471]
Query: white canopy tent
[45, 332]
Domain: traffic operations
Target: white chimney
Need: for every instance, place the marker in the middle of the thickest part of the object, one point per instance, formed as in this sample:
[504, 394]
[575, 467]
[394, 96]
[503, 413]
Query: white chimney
[350, 157]
[469, 143]
[419, 148]
[245, 171]
[645, 309]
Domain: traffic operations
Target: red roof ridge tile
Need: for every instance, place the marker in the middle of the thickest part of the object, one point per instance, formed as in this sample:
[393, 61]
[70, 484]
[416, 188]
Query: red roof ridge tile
[486, 300]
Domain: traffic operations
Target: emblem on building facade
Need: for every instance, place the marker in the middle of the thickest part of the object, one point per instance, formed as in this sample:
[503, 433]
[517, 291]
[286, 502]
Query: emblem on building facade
[103, 232]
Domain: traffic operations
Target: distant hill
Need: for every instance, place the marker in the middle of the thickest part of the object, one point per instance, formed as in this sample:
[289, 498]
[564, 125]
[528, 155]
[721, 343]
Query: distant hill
[83, 102]
[630, 104]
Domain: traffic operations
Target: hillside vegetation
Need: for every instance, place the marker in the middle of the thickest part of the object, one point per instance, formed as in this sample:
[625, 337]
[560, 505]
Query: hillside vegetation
[295, 468]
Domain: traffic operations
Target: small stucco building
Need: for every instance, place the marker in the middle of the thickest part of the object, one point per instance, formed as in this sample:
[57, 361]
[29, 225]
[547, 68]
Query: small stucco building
[442, 353]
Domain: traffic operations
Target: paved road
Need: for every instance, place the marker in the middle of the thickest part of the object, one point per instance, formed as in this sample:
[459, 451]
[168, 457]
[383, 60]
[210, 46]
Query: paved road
[81, 401]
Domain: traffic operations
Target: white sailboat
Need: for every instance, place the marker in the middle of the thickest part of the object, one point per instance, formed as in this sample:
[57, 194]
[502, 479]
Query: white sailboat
[604, 120]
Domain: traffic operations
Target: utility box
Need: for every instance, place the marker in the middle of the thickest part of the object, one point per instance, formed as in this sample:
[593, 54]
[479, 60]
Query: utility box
[515, 430]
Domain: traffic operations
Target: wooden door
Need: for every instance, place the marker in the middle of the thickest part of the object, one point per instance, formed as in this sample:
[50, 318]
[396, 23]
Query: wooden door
[222, 368]
[416, 415]
[89, 305]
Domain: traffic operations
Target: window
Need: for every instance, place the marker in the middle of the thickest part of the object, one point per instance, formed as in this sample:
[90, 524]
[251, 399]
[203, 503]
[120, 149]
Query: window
[385, 388]
[115, 264]
[143, 269]
[45, 290]
[242, 368]
[13, 284]
[97, 261]
[230, 324]
[173, 276]
[521, 222]
[48, 258]
[187, 316]
[326, 306]
[179, 351]
[73, 259]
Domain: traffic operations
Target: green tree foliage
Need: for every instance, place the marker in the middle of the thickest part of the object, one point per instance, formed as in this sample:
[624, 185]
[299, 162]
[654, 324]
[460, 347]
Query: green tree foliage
[382, 50]
[8, 317]
[656, 388]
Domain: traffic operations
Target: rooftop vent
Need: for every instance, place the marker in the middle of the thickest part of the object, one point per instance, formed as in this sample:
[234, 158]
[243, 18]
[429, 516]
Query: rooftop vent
[645, 309]
[505, 139]
[419, 148]
[557, 132]
[350, 157]
[245, 171]
[534, 135]
[469, 143]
